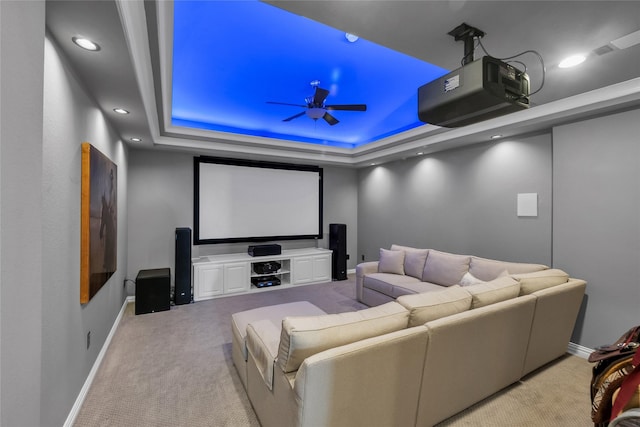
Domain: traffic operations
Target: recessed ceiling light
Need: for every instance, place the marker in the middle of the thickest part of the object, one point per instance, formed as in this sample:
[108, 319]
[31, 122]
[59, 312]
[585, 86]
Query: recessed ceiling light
[136, 139]
[120, 111]
[420, 153]
[496, 136]
[86, 43]
[572, 61]
[372, 164]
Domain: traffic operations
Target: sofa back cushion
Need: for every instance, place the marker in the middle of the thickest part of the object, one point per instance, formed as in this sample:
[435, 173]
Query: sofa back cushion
[414, 260]
[500, 289]
[391, 262]
[445, 269]
[302, 337]
[489, 269]
[536, 281]
[429, 306]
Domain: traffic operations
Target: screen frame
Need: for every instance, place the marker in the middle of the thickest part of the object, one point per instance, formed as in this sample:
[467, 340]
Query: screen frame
[197, 160]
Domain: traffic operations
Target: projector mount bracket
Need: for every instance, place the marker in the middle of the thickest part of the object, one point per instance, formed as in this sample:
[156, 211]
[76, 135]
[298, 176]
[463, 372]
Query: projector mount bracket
[466, 33]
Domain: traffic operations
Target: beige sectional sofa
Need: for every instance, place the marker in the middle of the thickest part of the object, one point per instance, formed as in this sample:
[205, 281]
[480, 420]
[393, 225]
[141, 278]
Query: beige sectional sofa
[413, 361]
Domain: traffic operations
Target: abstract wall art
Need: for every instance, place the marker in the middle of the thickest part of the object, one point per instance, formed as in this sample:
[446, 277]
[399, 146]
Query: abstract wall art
[98, 221]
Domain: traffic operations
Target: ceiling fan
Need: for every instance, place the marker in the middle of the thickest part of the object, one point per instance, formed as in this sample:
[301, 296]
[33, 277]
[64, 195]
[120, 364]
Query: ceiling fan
[316, 108]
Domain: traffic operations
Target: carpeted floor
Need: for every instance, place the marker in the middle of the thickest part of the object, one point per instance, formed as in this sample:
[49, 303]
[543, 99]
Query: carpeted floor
[174, 368]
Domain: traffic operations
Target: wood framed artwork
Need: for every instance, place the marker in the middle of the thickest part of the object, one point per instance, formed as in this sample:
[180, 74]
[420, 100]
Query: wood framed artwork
[98, 221]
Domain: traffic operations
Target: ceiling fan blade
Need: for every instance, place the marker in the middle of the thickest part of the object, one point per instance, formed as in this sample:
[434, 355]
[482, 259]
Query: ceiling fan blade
[347, 107]
[285, 103]
[320, 96]
[330, 119]
[293, 117]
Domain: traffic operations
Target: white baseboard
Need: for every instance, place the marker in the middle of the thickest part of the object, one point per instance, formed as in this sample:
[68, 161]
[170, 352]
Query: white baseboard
[71, 418]
[352, 271]
[578, 350]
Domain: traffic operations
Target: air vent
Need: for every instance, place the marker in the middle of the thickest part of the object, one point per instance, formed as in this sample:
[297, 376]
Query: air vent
[603, 49]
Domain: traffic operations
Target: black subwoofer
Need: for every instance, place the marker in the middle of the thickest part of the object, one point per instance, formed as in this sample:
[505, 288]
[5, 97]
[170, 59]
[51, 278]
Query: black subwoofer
[182, 289]
[153, 290]
[338, 244]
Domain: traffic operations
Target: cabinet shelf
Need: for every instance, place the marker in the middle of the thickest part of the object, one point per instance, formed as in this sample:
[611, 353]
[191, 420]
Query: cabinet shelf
[277, 273]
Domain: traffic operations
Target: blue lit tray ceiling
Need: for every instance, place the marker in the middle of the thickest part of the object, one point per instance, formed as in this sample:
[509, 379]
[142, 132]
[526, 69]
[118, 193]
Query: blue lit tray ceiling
[231, 57]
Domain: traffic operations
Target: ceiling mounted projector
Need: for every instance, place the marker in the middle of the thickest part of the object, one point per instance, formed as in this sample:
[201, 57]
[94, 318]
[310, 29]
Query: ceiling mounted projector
[477, 91]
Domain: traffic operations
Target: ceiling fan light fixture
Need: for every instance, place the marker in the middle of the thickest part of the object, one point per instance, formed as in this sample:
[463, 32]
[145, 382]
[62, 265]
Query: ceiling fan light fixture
[352, 38]
[315, 113]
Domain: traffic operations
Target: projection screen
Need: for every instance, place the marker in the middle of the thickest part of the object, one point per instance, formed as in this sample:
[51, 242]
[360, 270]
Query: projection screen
[250, 201]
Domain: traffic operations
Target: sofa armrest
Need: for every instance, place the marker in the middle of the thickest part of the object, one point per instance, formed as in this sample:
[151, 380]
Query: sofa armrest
[263, 338]
[375, 381]
[555, 316]
[363, 269]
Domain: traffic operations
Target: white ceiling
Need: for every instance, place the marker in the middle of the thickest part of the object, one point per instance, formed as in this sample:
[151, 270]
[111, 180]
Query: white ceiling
[133, 67]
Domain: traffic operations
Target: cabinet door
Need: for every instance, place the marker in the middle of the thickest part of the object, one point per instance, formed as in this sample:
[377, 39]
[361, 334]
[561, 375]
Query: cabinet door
[236, 277]
[208, 281]
[302, 270]
[322, 268]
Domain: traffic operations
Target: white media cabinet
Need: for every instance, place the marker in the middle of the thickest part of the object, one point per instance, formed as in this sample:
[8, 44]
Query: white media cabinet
[230, 274]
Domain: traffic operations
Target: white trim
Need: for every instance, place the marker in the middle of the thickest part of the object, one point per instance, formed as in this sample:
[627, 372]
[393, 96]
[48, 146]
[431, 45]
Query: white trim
[71, 418]
[578, 350]
[352, 271]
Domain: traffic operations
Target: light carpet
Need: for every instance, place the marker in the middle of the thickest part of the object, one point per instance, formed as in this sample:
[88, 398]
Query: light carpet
[174, 368]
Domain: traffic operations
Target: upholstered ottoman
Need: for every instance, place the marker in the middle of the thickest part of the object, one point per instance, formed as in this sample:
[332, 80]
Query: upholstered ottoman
[272, 314]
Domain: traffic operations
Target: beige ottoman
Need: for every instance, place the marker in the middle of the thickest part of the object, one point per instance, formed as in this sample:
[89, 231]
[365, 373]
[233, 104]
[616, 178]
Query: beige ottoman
[273, 314]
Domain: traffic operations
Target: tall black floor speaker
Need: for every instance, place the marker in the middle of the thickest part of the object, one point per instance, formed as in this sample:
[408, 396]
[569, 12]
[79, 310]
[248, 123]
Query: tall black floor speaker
[338, 244]
[182, 291]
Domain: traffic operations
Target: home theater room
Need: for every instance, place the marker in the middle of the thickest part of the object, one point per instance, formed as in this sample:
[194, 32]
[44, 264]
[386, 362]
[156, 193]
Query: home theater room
[319, 213]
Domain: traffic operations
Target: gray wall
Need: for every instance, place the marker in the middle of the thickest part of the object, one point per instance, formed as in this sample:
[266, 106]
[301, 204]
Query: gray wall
[596, 220]
[21, 214]
[462, 201]
[161, 199]
[45, 116]
[70, 118]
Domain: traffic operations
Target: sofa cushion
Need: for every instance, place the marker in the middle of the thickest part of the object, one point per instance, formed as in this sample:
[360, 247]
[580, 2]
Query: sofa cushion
[391, 262]
[489, 269]
[302, 337]
[416, 288]
[434, 305]
[385, 282]
[445, 269]
[500, 289]
[533, 282]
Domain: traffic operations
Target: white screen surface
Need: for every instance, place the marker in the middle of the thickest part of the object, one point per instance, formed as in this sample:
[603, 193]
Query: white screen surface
[237, 202]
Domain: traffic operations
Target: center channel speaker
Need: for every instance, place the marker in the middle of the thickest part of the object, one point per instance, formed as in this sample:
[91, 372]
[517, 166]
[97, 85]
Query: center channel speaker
[182, 290]
[338, 244]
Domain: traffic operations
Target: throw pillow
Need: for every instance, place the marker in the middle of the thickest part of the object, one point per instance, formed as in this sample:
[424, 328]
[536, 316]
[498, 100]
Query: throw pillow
[445, 269]
[391, 262]
[414, 262]
[429, 306]
[469, 279]
[500, 289]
